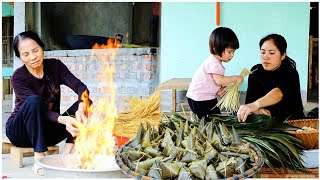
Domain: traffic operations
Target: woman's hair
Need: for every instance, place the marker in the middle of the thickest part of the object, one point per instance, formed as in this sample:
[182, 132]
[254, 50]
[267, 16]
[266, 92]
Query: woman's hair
[25, 35]
[222, 38]
[281, 44]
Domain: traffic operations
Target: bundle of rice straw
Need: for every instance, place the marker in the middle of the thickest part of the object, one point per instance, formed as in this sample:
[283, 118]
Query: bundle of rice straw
[230, 101]
[140, 111]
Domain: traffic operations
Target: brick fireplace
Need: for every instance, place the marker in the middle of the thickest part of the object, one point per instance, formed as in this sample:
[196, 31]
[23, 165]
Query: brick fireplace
[136, 73]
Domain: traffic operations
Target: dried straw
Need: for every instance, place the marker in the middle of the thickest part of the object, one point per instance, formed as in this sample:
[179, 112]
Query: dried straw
[230, 101]
[140, 111]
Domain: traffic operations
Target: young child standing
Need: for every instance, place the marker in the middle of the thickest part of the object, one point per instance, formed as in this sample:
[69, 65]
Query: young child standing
[209, 79]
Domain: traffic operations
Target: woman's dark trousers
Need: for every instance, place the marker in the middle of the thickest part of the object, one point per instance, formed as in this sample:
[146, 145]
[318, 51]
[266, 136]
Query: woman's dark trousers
[30, 128]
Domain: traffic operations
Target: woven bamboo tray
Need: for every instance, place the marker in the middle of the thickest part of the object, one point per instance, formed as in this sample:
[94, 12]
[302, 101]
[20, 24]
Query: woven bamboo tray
[309, 138]
[258, 157]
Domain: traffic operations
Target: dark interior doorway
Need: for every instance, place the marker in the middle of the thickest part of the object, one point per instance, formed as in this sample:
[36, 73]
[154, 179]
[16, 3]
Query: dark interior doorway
[313, 61]
[145, 26]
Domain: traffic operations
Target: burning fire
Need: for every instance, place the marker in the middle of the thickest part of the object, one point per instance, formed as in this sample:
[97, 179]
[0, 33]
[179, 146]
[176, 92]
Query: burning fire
[96, 136]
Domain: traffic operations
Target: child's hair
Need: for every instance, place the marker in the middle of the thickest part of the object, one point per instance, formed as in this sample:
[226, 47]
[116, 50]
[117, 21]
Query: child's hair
[222, 38]
[25, 35]
[281, 43]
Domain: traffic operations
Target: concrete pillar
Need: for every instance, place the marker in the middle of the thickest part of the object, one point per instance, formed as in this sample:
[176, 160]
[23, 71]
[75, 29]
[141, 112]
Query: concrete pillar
[37, 11]
[18, 27]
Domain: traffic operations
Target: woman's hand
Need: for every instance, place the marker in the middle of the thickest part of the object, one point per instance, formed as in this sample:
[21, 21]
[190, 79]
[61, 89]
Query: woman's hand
[80, 113]
[263, 111]
[247, 109]
[70, 123]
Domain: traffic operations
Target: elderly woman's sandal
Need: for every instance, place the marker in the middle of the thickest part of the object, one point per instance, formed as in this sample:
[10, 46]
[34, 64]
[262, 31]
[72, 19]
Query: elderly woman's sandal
[37, 169]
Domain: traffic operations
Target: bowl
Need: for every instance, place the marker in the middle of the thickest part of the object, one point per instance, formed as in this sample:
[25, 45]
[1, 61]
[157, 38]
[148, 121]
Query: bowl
[62, 165]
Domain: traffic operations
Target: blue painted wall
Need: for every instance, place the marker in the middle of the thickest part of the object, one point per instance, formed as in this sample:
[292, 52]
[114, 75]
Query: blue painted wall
[7, 9]
[186, 27]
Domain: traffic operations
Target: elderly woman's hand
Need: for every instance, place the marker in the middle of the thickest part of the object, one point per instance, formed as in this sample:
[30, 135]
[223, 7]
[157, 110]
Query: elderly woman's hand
[80, 113]
[247, 109]
[70, 123]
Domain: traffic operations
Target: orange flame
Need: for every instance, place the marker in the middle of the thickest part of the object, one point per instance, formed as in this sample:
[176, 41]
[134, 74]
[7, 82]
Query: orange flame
[85, 99]
[96, 136]
[127, 35]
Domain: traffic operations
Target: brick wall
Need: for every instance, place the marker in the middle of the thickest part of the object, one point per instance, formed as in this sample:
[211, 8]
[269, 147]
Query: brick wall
[136, 73]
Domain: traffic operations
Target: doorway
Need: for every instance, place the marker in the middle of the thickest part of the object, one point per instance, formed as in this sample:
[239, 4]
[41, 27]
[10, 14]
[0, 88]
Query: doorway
[313, 61]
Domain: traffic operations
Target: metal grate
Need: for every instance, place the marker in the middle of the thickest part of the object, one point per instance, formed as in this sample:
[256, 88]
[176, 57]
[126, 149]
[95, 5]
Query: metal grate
[7, 41]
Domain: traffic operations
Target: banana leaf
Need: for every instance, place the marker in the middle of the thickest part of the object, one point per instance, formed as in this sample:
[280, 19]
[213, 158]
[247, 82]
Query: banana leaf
[198, 168]
[224, 134]
[167, 160]
[211, 173]
[191, 140]
[152, 151]
[134, 155]
[184, 143]
[156, 141]
[176, 124]
[172, 151]
[226, 167]
[243, 148]
[189, 156]
[180, 134]
[209, 130]
[153, 133]
[142, 171]
[293, 150]
[201, 123]
[262, 143]
[199, 149]
[200, 136]
[146, 141]
[235, 135]
[232, 154]
[211, 155]
[170, 170]
[184, 174]
[254, 122]
[146, 165]
[167, 138]
[131, 165]
[194, 120]
[125, 149]
[240, 165]
[287, 137]
[155, 171]
[216, 143]
[165, 122]
[177, 117]
[284, 154]
[186, 128]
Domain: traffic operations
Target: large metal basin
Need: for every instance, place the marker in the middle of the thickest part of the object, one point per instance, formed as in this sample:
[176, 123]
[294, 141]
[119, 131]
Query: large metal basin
[60, 166]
